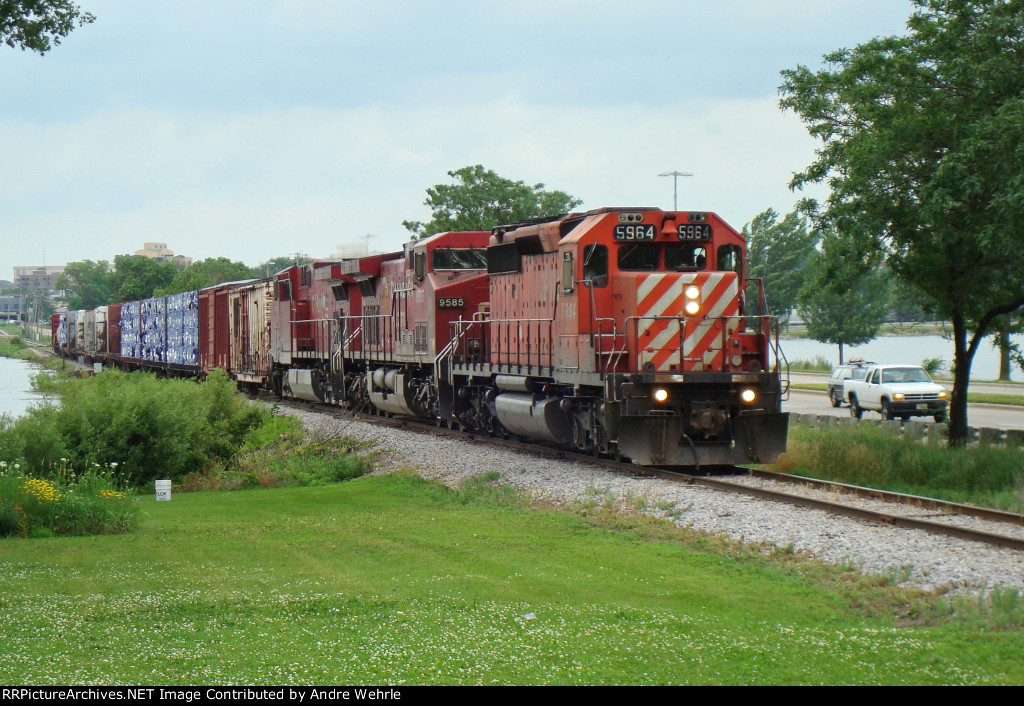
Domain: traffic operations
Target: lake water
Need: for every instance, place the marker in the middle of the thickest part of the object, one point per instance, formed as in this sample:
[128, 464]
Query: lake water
[16, 386]
[905, 349]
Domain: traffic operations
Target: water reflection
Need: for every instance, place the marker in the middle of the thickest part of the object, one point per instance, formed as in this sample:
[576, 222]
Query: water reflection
[16, 386]
[905, 349]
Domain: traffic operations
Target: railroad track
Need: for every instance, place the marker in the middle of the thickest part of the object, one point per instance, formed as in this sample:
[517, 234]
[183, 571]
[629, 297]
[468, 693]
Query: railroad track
[1002, 529]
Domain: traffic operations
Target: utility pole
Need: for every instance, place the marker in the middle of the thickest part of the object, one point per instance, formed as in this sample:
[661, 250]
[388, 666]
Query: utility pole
[675, 184]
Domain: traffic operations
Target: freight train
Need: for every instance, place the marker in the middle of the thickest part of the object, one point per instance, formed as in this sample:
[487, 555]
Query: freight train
[619, 331]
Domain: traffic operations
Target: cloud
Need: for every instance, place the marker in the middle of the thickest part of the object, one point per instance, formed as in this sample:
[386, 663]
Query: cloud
[257, 185]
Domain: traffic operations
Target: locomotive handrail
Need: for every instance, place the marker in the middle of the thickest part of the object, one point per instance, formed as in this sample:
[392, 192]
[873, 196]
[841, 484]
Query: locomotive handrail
[347, 343]
[518, 352]
[602, 366]
[448, 351]
[317, 337]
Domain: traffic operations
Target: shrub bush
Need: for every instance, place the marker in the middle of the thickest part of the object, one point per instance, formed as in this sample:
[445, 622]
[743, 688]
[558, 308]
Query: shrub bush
[145, 427]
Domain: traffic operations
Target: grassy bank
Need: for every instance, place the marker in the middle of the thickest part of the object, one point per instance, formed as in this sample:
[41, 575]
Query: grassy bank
[863, 454]
[393, 579]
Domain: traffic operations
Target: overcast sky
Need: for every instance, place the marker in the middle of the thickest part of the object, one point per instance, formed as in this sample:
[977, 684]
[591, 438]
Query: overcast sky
[255, 128]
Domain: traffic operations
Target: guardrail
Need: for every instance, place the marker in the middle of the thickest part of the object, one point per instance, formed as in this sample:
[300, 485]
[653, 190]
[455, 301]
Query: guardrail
[915, 431]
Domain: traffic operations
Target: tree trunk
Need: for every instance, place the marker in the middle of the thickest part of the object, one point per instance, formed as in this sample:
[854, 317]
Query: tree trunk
[1004, 352]
[840, 353]
[961, 375]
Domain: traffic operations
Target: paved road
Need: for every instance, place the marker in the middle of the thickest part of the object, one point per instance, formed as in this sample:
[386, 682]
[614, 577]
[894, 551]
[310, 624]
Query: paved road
[978, 415]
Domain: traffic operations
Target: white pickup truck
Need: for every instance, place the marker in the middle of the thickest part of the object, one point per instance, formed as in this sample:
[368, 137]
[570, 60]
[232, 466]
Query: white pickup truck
[902, 391]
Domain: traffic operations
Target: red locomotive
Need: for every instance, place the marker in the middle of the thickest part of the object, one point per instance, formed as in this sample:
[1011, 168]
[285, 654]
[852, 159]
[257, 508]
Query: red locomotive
[616, 331]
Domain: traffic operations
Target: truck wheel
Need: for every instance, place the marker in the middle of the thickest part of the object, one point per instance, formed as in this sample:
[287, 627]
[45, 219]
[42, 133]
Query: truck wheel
[886, 410]
[940, 417]
[834, 397]
[855, 410]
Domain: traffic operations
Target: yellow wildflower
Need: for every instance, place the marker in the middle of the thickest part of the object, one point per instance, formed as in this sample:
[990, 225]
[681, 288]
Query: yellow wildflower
[42, 489]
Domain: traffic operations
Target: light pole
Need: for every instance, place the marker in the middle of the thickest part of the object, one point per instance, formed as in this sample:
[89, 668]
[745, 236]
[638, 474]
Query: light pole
[675, 184]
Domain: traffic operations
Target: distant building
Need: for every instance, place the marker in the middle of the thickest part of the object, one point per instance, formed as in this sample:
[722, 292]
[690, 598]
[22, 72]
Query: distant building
[161, 253]
[10, 307]
[39, 278]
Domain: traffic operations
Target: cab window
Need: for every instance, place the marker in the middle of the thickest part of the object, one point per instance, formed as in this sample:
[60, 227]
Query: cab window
[595, 265]
[685, 257]
[458, 259]
[730, 258]
[639, 256]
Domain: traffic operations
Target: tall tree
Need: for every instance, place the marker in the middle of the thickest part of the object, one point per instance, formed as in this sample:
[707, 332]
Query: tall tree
[39, 25]
[845, 314]
[480, 199]
[922, 146]
[779, 253]
[206, 273]
[86, 284]
[136, 277]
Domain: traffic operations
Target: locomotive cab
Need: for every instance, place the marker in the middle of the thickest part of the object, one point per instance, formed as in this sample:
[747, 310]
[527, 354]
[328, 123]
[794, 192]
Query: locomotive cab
[624, 331]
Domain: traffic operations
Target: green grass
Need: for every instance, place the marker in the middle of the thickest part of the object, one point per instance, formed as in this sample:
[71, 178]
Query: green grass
[396, 580]
[817, 365]
[863, 454]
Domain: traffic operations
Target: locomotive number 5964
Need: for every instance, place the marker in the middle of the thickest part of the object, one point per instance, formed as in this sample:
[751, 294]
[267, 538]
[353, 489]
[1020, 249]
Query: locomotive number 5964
[642, 231]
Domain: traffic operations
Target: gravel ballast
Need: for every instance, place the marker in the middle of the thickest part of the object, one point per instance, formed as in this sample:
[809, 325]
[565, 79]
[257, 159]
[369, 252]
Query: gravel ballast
[922, 560]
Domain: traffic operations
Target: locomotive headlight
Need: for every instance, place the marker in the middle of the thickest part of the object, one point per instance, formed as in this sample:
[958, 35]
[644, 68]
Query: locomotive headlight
[691, 307]
[692, 291]
[748, 395]
[660, 395]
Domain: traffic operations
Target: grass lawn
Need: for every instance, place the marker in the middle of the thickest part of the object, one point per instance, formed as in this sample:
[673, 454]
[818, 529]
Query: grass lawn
[396, 580]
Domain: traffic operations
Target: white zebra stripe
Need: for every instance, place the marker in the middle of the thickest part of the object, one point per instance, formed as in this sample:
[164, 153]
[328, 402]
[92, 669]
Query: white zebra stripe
[647, 286]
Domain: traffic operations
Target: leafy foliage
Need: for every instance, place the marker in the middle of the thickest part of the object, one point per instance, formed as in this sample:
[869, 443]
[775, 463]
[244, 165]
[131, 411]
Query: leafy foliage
[921, 140]
[150, 428]
[87, 284]
[480, 199]
[39, 25]
[779, 252]
[839, 302]
[136, 277]
[206, 273]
